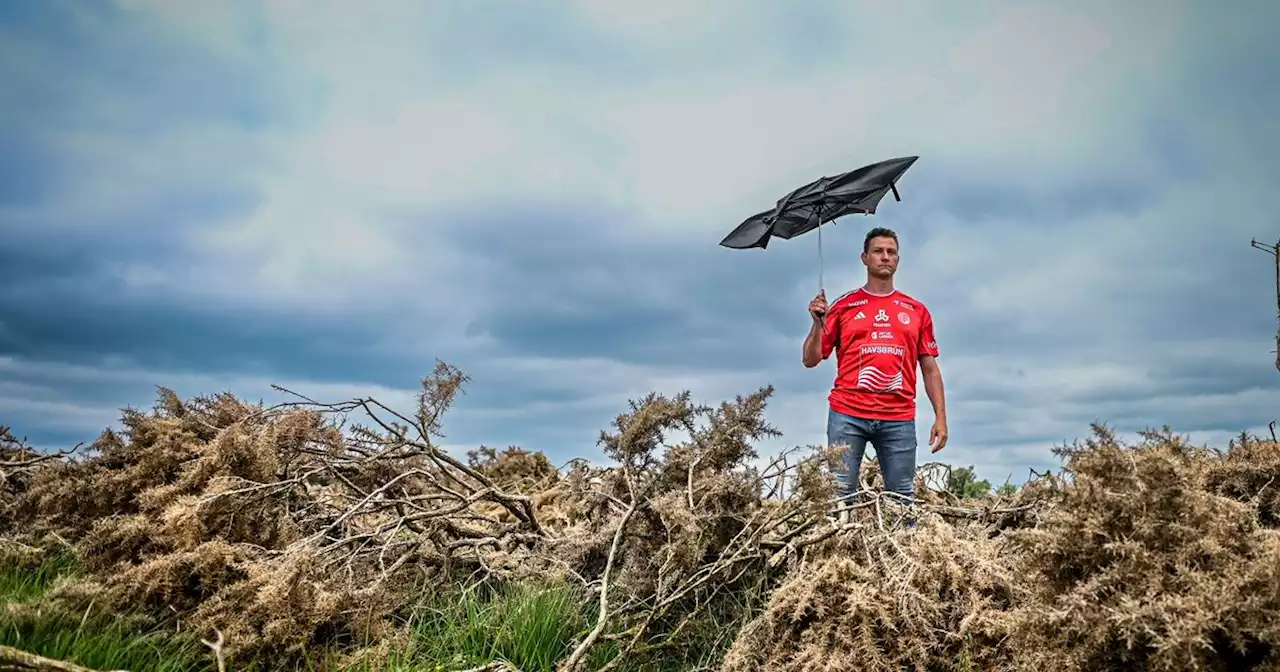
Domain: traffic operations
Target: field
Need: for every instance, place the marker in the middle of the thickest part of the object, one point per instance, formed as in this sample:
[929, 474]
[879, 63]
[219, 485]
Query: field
[214, 534]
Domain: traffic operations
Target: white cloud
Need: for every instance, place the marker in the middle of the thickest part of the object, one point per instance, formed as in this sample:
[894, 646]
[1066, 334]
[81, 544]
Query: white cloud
[694, 151]
[662, 21]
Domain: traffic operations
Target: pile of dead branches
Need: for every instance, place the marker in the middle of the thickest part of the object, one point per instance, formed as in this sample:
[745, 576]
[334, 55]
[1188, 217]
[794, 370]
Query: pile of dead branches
[283, 527]
[309, 525]
[1151, 556]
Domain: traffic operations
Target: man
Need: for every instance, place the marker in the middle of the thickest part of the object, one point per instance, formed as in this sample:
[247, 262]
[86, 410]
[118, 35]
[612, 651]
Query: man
[878, 334]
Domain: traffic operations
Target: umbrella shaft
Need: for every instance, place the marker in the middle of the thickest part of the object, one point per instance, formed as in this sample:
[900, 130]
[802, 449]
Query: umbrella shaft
[821, 284]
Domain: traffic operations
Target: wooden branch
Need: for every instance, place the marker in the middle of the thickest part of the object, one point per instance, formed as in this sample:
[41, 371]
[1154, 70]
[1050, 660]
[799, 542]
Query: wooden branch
[492, 666]
[216, 647]
[693, 464]
[575, 659]
[17, 660]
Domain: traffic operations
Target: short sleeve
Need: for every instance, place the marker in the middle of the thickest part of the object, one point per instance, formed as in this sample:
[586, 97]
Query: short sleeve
[927, 343]
[830, 332]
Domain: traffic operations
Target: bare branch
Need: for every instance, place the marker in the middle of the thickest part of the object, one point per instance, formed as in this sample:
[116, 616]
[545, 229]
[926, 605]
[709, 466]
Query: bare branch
[574, 661]
[17, 660]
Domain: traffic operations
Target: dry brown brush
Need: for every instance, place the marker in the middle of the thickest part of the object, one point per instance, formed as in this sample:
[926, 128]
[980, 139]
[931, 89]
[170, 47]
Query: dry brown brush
[311, 525]
[1144, 563]
[284, 527]
[1153, 556]
[308, 524]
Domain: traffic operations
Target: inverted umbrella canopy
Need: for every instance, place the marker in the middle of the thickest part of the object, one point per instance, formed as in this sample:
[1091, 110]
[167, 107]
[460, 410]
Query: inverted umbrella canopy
[825, 199]
[822, 200]
[757, 229]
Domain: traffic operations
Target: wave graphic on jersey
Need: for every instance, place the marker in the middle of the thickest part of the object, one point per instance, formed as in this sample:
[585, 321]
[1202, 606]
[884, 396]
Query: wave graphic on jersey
[872, 379]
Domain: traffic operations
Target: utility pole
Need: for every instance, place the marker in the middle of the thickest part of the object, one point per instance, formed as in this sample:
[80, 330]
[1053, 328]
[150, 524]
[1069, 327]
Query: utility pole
[1274, 251]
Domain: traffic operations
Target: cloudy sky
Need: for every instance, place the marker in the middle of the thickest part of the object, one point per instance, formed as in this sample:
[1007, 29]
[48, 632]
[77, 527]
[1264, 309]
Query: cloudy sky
[224, 195]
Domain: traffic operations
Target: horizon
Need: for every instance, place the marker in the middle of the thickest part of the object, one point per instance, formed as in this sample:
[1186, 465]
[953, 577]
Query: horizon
[224, 196]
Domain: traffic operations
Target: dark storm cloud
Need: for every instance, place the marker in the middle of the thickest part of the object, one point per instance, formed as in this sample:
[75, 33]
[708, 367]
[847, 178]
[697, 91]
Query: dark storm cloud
[159, 336]
[1209, 371]
[570, 286]
[65, 292]
[63, 59]
[983, 195]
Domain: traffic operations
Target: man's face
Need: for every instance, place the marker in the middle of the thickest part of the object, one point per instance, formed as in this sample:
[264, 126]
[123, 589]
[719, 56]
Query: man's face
[881, 257]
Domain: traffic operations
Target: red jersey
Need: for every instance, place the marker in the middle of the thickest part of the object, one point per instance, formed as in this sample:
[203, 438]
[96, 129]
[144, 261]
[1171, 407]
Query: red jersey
[878, 340]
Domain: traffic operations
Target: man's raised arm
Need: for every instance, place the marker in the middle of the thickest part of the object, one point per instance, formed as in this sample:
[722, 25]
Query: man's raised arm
[813, 342]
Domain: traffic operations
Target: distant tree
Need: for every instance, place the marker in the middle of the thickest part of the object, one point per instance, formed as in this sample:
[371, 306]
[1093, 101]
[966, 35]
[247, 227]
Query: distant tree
[1007, 490]
[963, 483]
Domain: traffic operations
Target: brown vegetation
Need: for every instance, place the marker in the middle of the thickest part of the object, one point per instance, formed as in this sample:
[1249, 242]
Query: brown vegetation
[309, 525]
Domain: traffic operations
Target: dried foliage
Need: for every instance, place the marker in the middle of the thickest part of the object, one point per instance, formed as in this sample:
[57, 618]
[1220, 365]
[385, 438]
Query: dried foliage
[873, 598]
[1142, 565]
[1143, 557]
[310, 525]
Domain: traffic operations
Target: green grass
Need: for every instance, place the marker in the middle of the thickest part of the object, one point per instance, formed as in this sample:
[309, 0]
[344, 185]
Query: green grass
[529, 626]
[93, 638]
[23, 584]
[103, 645]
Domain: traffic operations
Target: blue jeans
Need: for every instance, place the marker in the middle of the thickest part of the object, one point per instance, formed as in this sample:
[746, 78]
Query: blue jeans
[895, 444]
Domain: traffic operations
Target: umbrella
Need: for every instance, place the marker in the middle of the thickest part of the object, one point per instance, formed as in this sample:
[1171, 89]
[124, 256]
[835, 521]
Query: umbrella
[822, 200]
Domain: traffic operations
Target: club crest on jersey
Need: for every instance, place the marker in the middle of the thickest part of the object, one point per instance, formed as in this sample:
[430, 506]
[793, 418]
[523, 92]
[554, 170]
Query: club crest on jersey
[904, 318]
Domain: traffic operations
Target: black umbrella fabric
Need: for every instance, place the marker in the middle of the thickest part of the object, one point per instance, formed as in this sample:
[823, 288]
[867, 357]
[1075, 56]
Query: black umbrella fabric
[823, 200]
[757, 229]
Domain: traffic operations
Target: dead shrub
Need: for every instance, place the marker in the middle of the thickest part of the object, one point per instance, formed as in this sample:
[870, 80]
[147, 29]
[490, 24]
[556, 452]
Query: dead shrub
[309, 525]
[1140, 565]
[1249, 471]
[1143, 557]
[867, 599]
[278, 526]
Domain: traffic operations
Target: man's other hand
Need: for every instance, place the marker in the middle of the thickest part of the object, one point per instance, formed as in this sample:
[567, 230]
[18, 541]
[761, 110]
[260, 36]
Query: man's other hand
[938, 435]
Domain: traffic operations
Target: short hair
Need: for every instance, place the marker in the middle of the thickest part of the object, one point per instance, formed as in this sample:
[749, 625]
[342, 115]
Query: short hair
[878, 232]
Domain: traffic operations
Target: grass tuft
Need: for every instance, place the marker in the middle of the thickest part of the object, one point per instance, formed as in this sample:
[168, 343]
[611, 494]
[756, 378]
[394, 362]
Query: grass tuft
[93, 638]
